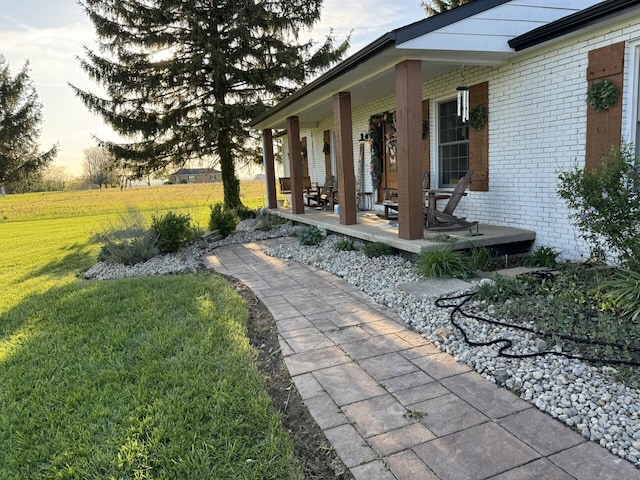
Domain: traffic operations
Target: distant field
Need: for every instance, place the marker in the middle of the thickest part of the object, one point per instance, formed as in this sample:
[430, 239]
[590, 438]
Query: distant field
[192, 198]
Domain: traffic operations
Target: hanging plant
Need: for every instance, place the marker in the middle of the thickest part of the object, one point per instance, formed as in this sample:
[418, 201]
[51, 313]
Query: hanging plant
[326, 148]
[602, 95]
[477, 116]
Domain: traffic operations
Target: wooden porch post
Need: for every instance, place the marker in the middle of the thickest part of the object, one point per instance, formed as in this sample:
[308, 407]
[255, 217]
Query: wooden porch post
[269, 170]
[344, 157]
[295, 164]
[409, 153]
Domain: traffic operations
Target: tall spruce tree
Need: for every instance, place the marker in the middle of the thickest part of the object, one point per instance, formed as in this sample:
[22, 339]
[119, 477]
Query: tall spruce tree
[184, 78]
[434, 7]
[20, 119]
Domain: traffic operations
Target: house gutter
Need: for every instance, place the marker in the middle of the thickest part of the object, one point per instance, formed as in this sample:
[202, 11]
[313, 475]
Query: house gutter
[571, 23]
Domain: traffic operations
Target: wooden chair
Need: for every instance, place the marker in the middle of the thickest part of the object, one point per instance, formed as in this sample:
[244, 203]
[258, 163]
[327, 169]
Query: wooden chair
[320, 196]
[445, 220]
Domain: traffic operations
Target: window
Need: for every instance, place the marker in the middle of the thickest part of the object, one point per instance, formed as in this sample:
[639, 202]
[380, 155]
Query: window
[453, 145]
[192, 178]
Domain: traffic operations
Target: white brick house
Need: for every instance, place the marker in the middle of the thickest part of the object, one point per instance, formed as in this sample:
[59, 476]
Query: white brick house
[530, 63]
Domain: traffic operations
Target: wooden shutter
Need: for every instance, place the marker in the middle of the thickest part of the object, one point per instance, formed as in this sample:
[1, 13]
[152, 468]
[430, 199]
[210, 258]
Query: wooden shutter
[479, 141]
[604, 129]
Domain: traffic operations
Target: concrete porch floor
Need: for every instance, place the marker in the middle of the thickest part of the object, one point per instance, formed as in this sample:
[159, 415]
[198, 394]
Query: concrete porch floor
[371, 227]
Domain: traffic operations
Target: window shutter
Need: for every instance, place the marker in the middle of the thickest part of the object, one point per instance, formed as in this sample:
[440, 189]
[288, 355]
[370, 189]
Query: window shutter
[479, 140]
[604, 129]
[326, 138]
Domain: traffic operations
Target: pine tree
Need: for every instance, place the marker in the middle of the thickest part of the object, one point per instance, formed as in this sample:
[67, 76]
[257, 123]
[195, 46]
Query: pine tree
[20, 119]
[185, 77]
[434, 7]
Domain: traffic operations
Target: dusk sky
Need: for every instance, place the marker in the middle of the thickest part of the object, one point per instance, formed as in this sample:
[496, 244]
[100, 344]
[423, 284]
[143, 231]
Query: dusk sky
[51, 33]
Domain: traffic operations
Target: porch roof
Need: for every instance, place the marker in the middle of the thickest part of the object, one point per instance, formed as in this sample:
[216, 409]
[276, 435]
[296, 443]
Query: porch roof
[477, 34]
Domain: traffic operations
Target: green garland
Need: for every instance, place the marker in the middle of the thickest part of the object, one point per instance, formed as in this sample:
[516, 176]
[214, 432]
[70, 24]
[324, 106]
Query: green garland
[377, 139]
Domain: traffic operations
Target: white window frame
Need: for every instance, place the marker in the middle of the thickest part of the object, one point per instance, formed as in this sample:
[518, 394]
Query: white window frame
[632, 127]
[435, 144]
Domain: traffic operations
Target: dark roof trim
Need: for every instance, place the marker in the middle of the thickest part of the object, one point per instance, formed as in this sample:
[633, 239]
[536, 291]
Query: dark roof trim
[399, 35]
[571, 23]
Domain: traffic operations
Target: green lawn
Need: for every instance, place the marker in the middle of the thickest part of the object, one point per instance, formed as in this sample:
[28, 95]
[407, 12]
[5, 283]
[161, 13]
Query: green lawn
[134, 378]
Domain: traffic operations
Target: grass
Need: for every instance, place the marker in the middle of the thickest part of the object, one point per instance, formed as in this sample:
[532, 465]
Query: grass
[133, 378]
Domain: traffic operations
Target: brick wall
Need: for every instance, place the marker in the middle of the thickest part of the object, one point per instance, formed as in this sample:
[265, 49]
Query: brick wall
[537, 128]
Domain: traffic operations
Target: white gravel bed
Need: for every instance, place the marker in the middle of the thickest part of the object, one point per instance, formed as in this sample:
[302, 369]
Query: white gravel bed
[581, 395]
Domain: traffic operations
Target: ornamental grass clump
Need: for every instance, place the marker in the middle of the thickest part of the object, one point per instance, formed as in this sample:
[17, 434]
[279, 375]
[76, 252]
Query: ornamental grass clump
[127, 240]
[446, 263]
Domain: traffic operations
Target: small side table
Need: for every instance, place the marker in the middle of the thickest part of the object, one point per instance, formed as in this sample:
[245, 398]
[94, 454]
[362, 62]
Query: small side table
[364, 200]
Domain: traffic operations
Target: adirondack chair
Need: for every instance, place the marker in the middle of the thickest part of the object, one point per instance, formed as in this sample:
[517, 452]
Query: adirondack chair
[320, 197]
[445, 220]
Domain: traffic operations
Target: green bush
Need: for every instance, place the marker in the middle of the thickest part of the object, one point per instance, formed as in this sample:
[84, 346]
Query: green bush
[310, 235]
[223, 219]
[345, 243]
[266, 221]
[606, 205]
[542, 257]
[445, 263]
[174, 231]
[376, 249]
[127, 240]
[624, 293]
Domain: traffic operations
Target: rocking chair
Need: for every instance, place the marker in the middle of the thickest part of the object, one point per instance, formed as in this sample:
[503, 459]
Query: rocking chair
[445, 220]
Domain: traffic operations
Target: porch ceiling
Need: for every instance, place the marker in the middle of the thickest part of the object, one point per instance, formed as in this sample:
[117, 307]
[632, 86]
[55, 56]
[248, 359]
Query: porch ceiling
[372, 79]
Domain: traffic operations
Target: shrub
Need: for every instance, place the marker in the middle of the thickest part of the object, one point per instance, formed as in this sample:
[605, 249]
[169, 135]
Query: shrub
[223, 219]
[266, 221]
[606, 204]
[310, 235]
[376, 249]
[345, 243]
[174, 231]
[127, 240]
[624, 293]
[542, 257]
[442, 263]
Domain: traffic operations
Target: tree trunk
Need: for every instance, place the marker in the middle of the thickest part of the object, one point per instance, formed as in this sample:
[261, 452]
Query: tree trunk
[2, 192]
[230, 183]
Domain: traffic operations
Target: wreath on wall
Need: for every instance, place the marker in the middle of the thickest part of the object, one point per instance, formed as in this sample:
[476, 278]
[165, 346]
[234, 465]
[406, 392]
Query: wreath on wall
[602, 95]
[477, 116]
[378, 142]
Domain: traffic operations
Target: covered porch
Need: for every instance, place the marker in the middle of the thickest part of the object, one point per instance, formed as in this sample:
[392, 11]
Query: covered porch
[372, 228]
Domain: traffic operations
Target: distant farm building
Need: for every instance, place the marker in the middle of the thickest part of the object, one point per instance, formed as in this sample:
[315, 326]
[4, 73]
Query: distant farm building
[196, 175]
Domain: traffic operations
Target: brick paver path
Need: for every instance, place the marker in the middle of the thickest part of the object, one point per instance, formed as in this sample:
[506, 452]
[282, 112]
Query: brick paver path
[391, 404]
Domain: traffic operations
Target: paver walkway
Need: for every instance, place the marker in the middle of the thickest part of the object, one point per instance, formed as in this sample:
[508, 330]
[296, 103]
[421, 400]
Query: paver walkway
[391, 404]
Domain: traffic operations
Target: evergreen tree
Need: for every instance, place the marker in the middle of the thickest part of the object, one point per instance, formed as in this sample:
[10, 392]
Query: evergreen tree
[185, 77]
[434, 7]
[20, 119]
